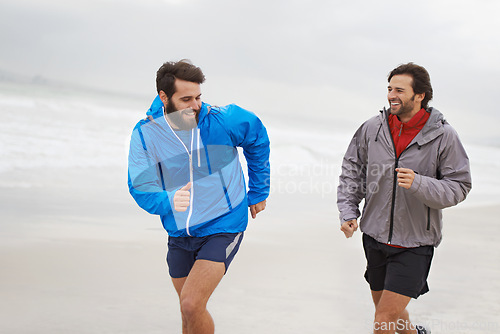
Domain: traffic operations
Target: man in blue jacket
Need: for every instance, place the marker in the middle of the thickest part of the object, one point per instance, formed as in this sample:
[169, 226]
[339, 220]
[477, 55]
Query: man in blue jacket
[184, 167]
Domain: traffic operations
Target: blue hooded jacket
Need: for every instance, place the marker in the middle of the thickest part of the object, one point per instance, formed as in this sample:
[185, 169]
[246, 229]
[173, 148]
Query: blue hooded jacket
[160, 163]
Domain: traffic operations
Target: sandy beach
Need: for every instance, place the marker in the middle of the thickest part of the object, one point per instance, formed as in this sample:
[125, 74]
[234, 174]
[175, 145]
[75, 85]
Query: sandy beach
[79, 256]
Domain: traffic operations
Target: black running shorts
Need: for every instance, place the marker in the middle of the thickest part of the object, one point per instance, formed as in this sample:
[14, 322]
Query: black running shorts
[400, 270]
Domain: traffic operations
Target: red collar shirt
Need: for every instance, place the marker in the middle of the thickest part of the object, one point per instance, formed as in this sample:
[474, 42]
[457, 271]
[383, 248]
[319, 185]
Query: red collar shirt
[403, 133]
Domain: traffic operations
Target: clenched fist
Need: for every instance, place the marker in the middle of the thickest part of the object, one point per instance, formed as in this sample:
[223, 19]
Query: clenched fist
[182, 198]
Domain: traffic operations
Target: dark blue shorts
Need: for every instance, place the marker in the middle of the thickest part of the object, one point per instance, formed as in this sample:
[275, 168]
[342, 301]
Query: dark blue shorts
[184, 251]
[400, 270]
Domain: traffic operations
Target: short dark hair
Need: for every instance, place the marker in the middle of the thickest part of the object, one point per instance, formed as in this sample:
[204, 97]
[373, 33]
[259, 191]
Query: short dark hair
[421, 80]
[182, 69]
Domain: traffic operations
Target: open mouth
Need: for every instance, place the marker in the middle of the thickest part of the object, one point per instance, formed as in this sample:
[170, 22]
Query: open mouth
[189, 112]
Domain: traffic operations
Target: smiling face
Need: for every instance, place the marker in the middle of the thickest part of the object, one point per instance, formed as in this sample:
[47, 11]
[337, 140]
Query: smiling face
[403, 101]
[183, 108]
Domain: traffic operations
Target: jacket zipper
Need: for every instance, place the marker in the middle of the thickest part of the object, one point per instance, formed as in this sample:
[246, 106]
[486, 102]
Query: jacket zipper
[394, 184]
[395, 180]
[428, 218]
[190, 154]
[192, 183]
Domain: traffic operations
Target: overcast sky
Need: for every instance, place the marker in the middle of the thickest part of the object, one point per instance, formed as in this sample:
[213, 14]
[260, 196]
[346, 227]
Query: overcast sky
[286, 56]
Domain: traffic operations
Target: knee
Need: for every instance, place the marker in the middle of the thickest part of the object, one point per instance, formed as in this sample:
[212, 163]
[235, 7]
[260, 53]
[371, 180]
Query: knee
[190, 307]
[386, 316]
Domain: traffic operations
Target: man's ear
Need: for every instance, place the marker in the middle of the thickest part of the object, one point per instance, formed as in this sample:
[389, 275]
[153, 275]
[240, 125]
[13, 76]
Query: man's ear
[419, 97]
[163, 97]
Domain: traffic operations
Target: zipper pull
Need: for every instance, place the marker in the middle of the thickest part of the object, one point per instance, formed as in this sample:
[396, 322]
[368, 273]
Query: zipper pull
[400, 130]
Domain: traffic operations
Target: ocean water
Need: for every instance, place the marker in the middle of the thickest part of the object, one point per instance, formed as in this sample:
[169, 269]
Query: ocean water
[45, 127]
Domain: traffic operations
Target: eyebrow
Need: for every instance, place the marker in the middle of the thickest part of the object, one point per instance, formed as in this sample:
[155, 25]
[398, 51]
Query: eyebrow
[189, 97]
[400, 88]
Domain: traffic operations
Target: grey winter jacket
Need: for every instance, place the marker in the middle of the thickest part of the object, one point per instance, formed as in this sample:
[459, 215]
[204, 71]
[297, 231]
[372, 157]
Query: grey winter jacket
[392, 214]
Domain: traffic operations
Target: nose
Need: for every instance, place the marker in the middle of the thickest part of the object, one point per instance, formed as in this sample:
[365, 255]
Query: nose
[195, 104]
[391, 94]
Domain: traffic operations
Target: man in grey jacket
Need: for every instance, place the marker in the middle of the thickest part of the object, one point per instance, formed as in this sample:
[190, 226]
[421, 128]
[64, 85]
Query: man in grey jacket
[407, 163]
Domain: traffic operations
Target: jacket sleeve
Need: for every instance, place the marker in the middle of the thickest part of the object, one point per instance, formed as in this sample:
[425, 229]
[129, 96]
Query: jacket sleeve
[247, 131]
[144, 182]
[453, 181]
[352, 180]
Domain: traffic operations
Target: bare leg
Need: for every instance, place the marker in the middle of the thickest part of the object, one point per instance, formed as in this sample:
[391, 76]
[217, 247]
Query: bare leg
[194, 292]
[406, 326]
[178, 285]
[391, 313]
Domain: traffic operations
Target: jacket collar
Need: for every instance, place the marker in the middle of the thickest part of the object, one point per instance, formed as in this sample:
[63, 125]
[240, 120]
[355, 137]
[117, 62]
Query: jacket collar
[433, 128]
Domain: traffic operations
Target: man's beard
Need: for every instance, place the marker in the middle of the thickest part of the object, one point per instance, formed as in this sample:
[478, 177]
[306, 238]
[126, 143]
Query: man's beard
[178, 118]
[405, 107]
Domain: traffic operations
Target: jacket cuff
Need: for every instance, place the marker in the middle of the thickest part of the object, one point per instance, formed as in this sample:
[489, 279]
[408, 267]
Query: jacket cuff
[347, 218]
[415, 184]
[252, 200]
[170, 195]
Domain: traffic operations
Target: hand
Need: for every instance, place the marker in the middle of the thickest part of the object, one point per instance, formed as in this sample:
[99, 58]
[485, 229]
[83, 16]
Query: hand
[349, 228]
[256, 208]
[405, 177]
[182, 198]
